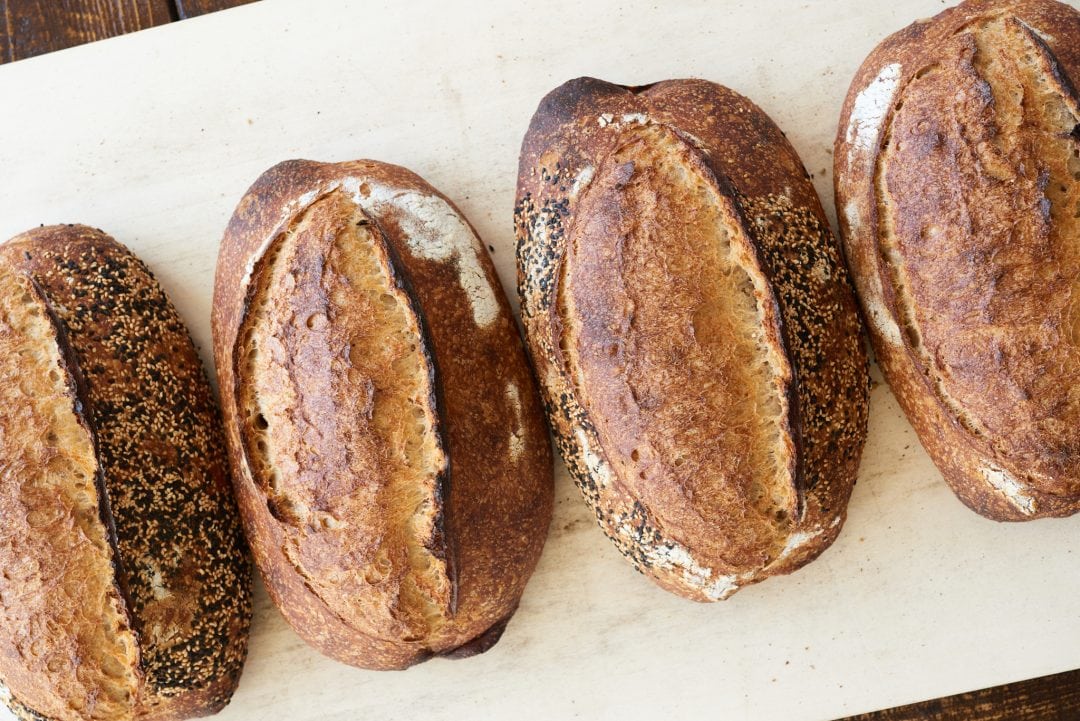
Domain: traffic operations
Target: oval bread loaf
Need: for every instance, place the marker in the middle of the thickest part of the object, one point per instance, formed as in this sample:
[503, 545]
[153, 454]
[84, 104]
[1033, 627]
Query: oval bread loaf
[391, 460]
[958, 187]
[693, 330]
[126, 586]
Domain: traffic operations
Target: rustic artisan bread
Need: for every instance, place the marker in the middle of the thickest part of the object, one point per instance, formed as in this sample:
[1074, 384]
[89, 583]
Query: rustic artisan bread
[957, 169]
[391, 461]
[693, 330]
[125, 588]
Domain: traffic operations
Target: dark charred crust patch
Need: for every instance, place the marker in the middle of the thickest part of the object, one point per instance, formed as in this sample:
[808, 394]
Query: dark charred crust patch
[481, 643]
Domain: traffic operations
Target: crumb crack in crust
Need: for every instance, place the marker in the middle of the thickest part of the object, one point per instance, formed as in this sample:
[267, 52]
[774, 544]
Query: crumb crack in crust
[619, 326]
[179, 559]
[958, 171]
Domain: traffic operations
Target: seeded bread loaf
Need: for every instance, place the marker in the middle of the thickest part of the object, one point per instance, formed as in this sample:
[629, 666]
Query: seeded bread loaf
[125, 587]
[958, 188]
[693, 330]
[390, 455]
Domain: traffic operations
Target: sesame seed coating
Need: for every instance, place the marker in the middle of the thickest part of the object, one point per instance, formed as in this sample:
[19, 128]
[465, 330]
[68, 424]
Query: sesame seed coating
[804, 263]
[182, 561]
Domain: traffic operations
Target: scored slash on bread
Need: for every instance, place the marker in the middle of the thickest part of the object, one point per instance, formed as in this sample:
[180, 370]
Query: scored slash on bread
[126, 587]
[693, 329]
[958, 191]
[390, 456]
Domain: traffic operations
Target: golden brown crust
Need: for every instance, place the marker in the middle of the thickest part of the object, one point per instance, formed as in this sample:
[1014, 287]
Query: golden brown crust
[337, 388]
[487, 514]
[180, 558]
[614, 178]
[957, 161]
[59, 552]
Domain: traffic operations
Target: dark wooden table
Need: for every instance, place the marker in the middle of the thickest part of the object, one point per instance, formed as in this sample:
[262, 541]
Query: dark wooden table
[34, 27]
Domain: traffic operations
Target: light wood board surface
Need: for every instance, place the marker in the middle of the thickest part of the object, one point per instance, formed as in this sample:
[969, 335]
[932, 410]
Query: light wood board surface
[155, 136]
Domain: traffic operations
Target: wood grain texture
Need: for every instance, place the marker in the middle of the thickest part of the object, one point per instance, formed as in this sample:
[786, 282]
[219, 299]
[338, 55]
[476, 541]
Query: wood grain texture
[190, 8]
[1048, 698]
[34, 27]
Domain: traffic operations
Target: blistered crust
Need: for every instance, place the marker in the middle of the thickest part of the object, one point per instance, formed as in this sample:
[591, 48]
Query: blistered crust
[492, 508]
[957, 161]
[803, 303]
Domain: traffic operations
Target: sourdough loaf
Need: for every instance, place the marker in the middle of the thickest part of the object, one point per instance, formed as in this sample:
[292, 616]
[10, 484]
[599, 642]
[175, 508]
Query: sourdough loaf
[692, 327]
[125, 590]
[390, 455]
[958, 188]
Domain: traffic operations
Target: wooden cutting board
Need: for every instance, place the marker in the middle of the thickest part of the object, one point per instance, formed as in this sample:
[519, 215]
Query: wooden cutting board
[155, 136]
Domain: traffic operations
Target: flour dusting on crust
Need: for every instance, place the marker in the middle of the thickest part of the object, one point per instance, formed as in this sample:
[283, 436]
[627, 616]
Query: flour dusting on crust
[1007, 485]
[433, 231]
[870, 107]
